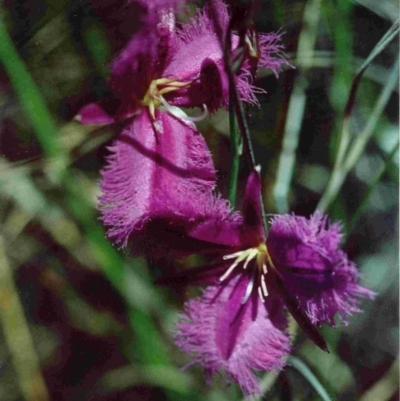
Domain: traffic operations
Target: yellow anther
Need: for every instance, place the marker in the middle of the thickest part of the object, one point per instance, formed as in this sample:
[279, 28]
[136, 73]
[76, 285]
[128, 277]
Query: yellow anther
[159, 87]
[261, 258]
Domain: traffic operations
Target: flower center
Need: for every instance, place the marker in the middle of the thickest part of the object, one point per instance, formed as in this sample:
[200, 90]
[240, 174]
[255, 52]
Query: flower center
[159, 87]
[261, 258]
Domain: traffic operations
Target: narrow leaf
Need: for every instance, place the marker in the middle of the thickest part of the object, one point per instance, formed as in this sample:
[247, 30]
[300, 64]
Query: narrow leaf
[300, 366]
[371, 188]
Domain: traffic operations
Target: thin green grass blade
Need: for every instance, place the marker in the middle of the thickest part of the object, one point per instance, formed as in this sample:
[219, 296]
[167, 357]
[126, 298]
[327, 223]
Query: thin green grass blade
[97, 44]
[326, 59]
[340, 171]
[18, 336]
[301, 367]
[236, 153]
[29, 95]
[381, 45]
[344, 137]
[295, 113]
[362, 139]
[371, 188]
[337, 177]
[79, 200]
[287, 157]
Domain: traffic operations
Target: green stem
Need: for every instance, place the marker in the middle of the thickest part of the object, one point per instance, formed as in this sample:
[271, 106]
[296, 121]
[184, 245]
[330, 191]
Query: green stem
[18, 337]
[341, 170]
[28, 94]
[237, 103]
[79, 203]
[297, 104]
[371, 188]
[300, 366]
[236, 153]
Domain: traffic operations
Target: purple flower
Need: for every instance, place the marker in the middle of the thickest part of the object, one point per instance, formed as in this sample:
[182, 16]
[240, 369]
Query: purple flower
[237, 325]
[160, 173]
[163, 66]
[155, 187]
[223, 334]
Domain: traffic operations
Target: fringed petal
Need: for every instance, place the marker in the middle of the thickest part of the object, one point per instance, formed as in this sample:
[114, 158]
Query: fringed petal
[314, 269]
[224, 335]
[198, 57]
[157, 170]
[270, 57]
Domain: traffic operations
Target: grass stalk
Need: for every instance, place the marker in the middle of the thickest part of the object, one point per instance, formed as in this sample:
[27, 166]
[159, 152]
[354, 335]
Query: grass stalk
[297, 104]
[18, 336]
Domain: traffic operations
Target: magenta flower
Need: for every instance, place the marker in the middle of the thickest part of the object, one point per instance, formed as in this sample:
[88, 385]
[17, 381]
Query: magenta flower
[164, 66]
[237, 325]
[154, 187]
[160, 172]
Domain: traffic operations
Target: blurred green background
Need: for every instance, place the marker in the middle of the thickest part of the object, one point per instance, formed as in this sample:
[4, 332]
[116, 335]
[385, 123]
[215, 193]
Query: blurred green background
[83, 321]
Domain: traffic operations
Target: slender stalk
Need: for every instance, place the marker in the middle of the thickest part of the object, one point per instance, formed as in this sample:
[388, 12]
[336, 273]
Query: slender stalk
[240, 115]
[297, 103]
[381, 45]
[237, 103]
[18, 337]
[236, 153]
[344, 136]
[300, 366]
[362, 139]
[341, 170]
[80, 206]
[31, 101]
[371, 188]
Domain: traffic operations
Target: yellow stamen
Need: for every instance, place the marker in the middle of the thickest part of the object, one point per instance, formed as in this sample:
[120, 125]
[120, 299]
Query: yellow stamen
[262, 259]
[159, 87]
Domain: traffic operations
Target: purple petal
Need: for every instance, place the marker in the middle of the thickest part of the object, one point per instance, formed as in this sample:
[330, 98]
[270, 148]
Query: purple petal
[93, 113]
[271, 52]
[198, 56]
[252, 218]
[222, 334]
[314, 269]
[297, 311]
[152, 175]
[145, 55]
[271, 57]
[235, 231]
[200, 275]
[220, 228]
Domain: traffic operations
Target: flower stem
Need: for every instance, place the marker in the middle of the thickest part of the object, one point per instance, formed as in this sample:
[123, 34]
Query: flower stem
[236, 153]
[236, 102]
[241, 120]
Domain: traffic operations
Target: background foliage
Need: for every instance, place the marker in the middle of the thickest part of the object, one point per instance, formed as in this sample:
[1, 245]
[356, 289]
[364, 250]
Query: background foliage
[81, 320]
